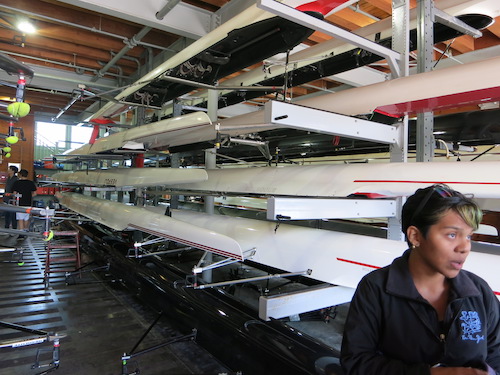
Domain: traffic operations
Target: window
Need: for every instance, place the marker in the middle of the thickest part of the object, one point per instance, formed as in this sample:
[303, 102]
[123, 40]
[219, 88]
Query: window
[54, 139]
[61, 137]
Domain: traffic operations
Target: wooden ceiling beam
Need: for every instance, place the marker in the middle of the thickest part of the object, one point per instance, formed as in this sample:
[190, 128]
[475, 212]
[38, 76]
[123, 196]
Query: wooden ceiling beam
[89, 19]
[495, 28]
[299, 91]
[342, 22]
[463, 44]
[52, 57]
[384, 5]
[84, 38]
[347, 19]
[318, 37]
[356, 19]
[365, 6]
[35, 42]
[487, 40]
[78, 16]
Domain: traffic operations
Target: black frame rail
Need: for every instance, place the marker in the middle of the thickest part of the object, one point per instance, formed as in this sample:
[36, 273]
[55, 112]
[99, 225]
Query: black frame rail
[126, 357]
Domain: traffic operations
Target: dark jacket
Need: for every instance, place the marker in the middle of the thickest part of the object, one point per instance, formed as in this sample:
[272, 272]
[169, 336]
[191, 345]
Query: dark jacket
[392, 330]
[8, 188]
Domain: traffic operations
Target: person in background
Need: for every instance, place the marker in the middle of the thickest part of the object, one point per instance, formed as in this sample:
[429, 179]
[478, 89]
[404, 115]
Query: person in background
[424, 314]
[10, 217]
[27, 189]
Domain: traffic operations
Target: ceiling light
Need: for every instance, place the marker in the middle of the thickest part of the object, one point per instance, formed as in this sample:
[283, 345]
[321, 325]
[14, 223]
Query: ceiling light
[26, 27]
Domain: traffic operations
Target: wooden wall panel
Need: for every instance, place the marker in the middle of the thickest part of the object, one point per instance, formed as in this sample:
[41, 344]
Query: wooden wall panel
[22, 151]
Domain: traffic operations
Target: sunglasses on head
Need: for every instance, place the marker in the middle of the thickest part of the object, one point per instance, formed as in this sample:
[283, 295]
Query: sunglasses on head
[442, 190]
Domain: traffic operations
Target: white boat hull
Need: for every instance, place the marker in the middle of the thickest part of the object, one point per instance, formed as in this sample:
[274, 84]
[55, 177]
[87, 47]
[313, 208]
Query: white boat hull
[342, 180]
[332, 257]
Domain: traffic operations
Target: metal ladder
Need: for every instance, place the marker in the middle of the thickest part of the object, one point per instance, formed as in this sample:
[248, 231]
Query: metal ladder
[62, 240]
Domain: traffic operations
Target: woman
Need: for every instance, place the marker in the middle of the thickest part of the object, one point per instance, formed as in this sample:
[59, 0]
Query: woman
[424, 314]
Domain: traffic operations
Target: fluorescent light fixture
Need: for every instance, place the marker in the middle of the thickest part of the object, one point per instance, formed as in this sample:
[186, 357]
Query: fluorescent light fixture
[26, 27]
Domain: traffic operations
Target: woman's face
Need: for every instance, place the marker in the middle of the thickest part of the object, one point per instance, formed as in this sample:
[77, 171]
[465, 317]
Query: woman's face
[446, 246]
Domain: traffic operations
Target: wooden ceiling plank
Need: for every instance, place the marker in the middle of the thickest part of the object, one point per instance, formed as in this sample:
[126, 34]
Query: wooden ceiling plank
[79, 16]
[92, 39]
[346, 24]
[318, 37]
[366, 7]
[81, 37]
[297, 90]
[35, 43]
[487, 40]
[385, 5]
[53, 57]
[463, 44]
[495, 28]
[356, 18]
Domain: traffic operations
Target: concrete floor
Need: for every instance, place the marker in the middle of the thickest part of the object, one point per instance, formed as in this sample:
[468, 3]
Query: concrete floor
[101, 321]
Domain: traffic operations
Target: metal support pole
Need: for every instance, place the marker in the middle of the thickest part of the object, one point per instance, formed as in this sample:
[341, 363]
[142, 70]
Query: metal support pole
[251, 279]
[401, 44]
[210, 154]
[166, 9]
[213, 104]
[210, 163]
[399, 149]
[425, 45]
[69, 130]
[175, 162]
[177, 108]
[401, 34]
[139, 197]
[140, 115]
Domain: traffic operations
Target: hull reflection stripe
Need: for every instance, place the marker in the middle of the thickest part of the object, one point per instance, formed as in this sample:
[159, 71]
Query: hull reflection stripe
[357, 263]
[376, 267]
[186, 242]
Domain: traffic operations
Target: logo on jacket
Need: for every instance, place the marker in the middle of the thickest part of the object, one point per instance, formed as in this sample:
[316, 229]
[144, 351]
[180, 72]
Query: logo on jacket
[471, 326]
